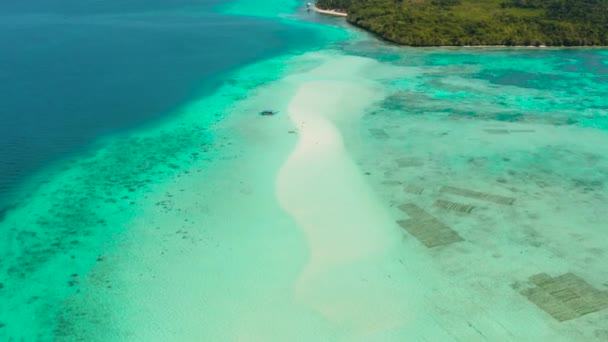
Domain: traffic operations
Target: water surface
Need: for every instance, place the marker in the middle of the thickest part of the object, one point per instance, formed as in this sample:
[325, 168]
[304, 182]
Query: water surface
[73, 71]
[400, 194]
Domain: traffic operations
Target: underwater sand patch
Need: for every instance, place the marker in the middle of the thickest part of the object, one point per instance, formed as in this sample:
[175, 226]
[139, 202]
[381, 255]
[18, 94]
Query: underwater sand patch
[564, 297]
[522, 130]
[391, 182]
[408, 162]
[507, 131]
[379, 133]
[426, 228]
[478, 195]
[496, 131]
[454, 206]
[413, 189]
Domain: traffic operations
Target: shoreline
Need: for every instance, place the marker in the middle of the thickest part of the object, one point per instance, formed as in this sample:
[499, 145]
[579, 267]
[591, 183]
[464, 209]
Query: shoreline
[330, 12]
[542, 46]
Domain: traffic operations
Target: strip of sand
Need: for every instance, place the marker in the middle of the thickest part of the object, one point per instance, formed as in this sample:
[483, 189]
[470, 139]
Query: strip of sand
[330, 12]
[346, 227]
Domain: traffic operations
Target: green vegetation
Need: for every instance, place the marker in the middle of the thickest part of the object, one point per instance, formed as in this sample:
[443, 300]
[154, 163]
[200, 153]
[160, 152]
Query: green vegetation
[480, 22]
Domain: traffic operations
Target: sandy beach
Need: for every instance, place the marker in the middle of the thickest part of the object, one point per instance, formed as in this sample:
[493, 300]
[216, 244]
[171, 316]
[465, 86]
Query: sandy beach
[330, 12]
[325, 192]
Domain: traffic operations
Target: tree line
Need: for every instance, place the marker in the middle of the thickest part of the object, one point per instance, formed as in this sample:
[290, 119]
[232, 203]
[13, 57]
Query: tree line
[480, 22]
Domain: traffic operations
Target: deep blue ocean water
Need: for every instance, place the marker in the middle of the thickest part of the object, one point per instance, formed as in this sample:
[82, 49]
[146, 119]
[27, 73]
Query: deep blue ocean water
[72, 71]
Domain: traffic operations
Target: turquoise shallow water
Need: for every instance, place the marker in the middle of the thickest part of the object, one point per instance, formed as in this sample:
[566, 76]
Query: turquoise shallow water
[89, 176]
[173, 231]
[522, 123]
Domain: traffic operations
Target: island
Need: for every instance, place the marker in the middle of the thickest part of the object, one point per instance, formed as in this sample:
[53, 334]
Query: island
[480, 22]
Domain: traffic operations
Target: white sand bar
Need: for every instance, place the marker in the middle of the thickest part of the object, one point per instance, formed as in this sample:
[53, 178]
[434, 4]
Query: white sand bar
[325, 192]
[330, 12]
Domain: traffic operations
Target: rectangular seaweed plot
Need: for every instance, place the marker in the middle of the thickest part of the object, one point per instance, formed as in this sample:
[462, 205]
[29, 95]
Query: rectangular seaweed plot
[426, 228]
[478, 195]
[507, 131]
[497, 131]
[391, 182]
[379, 133]
[408, 162]
[522, 130]
[454, 206]
[413, 189]
[565, 297]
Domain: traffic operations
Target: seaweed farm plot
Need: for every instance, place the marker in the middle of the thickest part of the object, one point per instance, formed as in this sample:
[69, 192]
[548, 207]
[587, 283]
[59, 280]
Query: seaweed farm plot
[426, 228]
[564, 297]
[379, 133]
[408, 162]
[478, 195]
[507, 131]
[413, 189]
[454, 206]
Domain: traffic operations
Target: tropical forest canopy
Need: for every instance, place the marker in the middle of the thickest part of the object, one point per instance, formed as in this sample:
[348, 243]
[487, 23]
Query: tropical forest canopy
[480, 22]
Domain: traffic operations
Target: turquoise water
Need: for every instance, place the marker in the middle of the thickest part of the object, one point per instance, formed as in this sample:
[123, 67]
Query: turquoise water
[217, 224]
[74, 71]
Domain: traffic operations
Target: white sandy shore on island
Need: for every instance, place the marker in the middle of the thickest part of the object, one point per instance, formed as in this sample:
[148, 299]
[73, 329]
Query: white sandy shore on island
[330, 12]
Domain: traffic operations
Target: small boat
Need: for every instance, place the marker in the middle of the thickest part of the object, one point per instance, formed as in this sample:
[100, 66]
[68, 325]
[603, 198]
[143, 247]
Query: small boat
[308, 4]
[269, 112]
